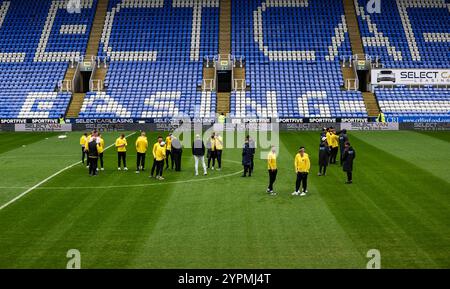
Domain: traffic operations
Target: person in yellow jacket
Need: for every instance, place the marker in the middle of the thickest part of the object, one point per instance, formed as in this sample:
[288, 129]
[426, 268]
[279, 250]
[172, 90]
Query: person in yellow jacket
[154, 149]
[169, 151]
[83, 141]
[121, 146]
[101, 149]
[160, 155]
[381, 117]
[334, 144]
[302, 166]
[141, 149]
[273, 170]
[218, 141]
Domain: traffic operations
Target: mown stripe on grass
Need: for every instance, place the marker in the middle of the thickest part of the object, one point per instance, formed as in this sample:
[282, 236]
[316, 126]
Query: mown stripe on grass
[397, 213]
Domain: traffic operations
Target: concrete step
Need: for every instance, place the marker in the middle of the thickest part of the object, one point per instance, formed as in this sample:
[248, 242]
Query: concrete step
[75, 105]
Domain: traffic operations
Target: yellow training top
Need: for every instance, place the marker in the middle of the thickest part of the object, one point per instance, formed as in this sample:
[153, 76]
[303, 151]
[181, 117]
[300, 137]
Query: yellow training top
[160, 153]
[101, 146]
[141, 144]
[121, 144]
[272, 161]
[219, 143]
[83, 140]
[155, 147]
[302, 164]
[168, 143]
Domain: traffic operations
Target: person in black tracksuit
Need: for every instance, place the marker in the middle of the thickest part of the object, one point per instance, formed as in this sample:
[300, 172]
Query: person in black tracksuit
[247, 158]
[177, 152]
[324, 156]
[343, 138]
[93, 156]
[348, 158]
[252, 146]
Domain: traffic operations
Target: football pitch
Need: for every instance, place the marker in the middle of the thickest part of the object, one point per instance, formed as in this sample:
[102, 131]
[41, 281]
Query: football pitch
[399, 204]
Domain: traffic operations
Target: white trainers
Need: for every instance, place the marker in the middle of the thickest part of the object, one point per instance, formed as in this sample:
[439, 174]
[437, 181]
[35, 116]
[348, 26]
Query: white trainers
[295, 193]
[205, 173]
[212, 168]
[119, 169]
[196, 174]
[97, 169]
[87, 167]
[102, 169]
[125, 169]
[303, 193]
[137, 172]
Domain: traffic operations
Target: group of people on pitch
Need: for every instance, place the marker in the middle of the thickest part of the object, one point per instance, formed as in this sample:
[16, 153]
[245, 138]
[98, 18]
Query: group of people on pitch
[330, 142]
[93, 145]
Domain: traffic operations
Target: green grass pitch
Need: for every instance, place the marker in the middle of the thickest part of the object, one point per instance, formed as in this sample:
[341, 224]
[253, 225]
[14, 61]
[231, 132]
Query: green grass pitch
[399, 204]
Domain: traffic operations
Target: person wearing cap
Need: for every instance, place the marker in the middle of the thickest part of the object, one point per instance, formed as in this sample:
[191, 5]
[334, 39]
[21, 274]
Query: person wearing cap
[141, 150]
[160, 155]
[198, 151]
[324, 155]
[154, 149]
[273, 170]
[343, 138]
[121, 146]
[302, 166]
[169, 151]
[348, 158]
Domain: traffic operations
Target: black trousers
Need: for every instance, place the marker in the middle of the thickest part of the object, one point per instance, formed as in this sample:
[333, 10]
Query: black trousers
[219, 158]
[253, 163]
[248, 169]
[169, 154]
[272, 178]
[153, 167]
[176, 156]
[159, 167]
[333, 155]
[323, 170]
[341, 161]
[83, 154]
[349, 176]
[140, 162]
[122, 156]
[100, 157]
[92, 166]
[211, 156]
[302, 179]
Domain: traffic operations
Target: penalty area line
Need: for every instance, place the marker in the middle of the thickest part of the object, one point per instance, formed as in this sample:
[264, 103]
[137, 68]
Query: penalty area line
[47, 179]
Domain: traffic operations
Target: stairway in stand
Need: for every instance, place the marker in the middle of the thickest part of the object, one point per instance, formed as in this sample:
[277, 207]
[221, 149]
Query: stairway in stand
[223, 98]
[91, 50]
[357, 49]
[75, 105]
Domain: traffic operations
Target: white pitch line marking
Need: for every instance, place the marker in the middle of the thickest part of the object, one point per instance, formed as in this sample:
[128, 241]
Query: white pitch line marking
[47, 179]
[145, 185]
